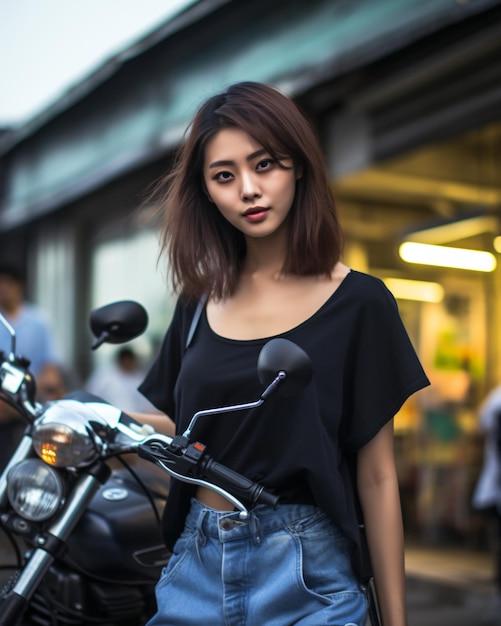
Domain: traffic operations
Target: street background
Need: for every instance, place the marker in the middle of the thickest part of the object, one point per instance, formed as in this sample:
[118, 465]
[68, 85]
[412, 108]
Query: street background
[450, 587]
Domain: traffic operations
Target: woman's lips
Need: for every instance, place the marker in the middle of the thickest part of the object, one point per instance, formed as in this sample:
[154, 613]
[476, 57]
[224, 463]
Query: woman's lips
[256, 213]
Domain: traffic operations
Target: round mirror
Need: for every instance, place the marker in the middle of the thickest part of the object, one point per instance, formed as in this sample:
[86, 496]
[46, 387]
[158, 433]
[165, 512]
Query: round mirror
[118, 322]
[282, 355]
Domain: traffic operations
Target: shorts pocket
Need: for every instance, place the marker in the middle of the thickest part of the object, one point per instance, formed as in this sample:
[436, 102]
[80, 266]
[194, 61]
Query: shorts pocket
[181, 551]
[323, 558]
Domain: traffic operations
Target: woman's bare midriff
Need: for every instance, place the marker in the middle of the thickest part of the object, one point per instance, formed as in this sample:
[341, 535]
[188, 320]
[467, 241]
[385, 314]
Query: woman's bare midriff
[214, 500]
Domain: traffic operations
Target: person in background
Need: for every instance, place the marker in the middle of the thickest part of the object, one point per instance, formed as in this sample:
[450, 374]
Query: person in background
[117, 382]
[487, 493]
[249, 221]
[54, 382]
[35, 340]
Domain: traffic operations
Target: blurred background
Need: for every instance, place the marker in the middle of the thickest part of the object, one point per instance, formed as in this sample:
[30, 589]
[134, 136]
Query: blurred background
[406, 98]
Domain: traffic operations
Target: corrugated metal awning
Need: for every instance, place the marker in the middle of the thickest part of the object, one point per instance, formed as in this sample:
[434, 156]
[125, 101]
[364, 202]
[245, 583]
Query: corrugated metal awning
[135, 108]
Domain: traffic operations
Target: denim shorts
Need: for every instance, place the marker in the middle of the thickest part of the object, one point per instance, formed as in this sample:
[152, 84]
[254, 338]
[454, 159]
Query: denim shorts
[279, 568]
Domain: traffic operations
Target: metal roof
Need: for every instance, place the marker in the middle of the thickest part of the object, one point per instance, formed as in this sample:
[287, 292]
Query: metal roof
[135, 107]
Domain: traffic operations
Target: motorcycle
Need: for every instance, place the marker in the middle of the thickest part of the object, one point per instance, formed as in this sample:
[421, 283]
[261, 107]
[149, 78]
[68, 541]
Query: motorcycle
[87, 536]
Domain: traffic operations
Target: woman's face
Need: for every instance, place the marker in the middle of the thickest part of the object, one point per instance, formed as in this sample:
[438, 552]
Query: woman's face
[247, 185]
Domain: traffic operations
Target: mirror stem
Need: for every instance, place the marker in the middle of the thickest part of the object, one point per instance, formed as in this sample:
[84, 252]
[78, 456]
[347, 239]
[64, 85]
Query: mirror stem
[272, 387]
[224, 409]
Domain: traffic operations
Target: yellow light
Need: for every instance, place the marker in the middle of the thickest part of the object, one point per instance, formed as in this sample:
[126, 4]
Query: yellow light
[497, 244]
[444, 256]
[419, 290]
[48, 453]
[455, 231]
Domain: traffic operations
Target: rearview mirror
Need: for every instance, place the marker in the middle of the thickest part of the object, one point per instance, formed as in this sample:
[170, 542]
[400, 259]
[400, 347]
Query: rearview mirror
[281, 355]
[118, 322]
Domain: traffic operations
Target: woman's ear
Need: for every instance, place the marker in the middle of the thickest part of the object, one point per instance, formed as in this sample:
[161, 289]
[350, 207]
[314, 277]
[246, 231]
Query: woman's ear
[299, 171]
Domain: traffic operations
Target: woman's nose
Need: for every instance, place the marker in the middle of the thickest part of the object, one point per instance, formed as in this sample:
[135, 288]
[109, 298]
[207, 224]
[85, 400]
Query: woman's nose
[250, 188]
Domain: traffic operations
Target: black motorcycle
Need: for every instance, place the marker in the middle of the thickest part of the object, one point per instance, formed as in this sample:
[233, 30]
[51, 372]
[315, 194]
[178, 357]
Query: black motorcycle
[87, 538]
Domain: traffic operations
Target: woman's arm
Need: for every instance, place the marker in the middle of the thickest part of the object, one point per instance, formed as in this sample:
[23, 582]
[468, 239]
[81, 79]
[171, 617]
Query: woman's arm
[159, 421]
[379, 496]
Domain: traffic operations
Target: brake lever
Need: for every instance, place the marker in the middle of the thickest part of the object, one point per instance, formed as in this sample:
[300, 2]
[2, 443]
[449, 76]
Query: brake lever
[180, 458]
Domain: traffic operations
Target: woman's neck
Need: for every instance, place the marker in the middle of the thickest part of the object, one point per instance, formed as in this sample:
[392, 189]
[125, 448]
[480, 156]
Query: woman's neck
[265, 257]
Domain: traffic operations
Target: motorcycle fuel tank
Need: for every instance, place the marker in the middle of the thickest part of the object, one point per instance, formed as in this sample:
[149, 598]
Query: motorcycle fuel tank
[119, 538]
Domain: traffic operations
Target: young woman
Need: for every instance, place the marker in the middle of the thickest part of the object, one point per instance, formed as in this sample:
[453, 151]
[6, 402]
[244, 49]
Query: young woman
[250, 222]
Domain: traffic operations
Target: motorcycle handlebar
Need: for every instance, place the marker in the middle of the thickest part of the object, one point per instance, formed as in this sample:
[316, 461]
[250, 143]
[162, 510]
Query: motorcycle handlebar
[236, 484]
[189, 461]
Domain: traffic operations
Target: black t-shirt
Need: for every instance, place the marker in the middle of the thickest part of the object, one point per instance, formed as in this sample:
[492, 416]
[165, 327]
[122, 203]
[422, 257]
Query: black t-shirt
[303, 448]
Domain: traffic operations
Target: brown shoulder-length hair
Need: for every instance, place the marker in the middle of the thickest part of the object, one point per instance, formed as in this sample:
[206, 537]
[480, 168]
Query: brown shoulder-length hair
[205, 252]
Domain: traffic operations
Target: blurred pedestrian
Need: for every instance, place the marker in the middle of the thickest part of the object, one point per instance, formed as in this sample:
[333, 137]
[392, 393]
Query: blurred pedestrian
[34, 340]
[487, 494]
[117, 382]
[54, 382]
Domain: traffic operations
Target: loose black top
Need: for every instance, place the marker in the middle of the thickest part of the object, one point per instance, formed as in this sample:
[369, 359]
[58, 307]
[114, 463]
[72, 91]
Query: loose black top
[303, 448]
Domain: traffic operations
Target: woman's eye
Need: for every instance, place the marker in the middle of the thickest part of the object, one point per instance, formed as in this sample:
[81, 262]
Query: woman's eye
[223, 176]
[265, 164]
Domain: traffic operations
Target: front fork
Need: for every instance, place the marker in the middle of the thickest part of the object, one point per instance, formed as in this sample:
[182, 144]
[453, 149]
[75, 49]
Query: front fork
[23, 451]
[50, 543]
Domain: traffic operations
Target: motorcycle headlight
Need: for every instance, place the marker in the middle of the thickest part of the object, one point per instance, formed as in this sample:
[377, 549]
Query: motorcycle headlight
[35, 491]
[64, 435]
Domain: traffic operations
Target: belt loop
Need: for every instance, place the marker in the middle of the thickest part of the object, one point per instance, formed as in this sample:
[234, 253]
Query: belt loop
[201, 538]
[255, 529]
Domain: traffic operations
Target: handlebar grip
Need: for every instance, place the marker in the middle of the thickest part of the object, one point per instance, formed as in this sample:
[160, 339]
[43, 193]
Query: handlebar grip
[236, 484]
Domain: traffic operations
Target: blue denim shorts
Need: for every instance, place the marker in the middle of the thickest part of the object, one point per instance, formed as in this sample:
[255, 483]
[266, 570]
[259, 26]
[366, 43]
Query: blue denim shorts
[279, 568]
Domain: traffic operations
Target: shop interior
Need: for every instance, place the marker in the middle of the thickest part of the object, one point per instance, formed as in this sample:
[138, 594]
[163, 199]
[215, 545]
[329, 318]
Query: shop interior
[429, 224]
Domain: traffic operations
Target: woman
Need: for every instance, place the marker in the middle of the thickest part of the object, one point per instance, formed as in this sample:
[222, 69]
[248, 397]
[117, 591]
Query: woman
[249, 221]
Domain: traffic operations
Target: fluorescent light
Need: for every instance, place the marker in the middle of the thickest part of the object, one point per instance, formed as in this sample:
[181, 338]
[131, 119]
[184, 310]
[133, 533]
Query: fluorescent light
[443, 256]
[420, 290]
[455, 231]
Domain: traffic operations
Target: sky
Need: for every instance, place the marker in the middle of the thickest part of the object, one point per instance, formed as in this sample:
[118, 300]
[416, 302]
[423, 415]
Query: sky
[47, 46]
